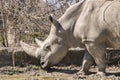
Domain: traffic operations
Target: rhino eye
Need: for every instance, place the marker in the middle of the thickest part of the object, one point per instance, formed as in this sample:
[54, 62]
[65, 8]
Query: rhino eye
[47, 47]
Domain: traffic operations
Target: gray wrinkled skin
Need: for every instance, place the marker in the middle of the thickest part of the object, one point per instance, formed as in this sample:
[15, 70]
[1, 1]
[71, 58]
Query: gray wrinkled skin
[93, 25]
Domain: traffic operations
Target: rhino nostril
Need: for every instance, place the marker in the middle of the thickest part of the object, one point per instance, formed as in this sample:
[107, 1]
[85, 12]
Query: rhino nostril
[42, 63]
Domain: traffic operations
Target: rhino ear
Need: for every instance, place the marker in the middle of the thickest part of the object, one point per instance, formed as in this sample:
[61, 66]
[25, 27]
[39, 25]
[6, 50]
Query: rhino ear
[30, 50]
[39, 42]
[51, 18]
[56, 24]
[54, 21]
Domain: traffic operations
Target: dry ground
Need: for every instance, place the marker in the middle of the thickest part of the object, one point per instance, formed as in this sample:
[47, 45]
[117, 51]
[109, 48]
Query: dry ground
[61, 72]
[33, 72]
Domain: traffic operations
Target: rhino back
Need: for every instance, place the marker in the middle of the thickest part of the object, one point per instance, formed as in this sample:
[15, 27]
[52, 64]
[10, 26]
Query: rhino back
[112, 17]
[109, 17]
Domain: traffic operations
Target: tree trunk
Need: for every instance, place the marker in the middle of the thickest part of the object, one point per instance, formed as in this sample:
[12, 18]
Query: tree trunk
[11, 36]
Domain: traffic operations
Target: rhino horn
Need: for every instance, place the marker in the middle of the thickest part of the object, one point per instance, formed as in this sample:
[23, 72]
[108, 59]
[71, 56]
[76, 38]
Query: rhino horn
[30, 50]
[39, 42]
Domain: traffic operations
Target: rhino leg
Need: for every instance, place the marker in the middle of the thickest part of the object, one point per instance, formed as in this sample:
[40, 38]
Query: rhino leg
[87, 62]
[98, 53]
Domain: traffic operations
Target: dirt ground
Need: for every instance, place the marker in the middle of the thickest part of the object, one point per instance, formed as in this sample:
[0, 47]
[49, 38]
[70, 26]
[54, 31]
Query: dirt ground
[63, 71]
[33, 72]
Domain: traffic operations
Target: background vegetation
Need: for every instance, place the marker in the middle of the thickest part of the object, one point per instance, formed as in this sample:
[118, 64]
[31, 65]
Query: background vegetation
[27, 19]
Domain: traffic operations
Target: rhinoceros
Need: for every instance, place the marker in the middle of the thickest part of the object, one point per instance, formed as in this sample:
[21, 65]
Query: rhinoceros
[90, 24]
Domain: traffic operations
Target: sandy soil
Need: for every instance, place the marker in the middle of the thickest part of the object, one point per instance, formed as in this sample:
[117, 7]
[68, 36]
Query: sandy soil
[33, 72]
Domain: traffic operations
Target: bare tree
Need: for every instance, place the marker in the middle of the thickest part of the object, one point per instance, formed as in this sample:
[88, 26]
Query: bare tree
[27, 19]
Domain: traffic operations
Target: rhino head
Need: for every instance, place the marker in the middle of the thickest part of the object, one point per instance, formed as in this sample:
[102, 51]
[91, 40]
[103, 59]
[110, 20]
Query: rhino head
[52, 50]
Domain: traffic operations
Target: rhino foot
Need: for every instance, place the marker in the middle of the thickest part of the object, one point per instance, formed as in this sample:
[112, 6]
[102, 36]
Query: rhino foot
[81, 72]
[101, 73]
[80, 75]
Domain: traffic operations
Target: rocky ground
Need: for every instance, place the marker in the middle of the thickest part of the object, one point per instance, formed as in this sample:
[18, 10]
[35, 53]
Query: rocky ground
[33, 72]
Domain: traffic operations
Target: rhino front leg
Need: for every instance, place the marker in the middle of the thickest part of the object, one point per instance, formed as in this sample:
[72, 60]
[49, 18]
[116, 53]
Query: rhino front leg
[98, 53]
[87, 62]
